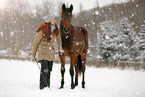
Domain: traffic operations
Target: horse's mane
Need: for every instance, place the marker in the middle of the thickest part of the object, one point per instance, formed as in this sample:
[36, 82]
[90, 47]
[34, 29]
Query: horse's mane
[45, 28]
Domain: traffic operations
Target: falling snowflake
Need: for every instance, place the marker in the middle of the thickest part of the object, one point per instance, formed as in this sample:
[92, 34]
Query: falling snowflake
[97, 12]
[77, 43]
[132, 23]
[15, 22]
[1, 33]
[11, 34]
[82, 61]
[132, 15]
[66, 37]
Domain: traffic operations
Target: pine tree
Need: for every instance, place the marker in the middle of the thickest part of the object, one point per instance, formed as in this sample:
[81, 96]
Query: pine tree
[131, 40]
[118, 41]
[105, 39]
[142, 37]
[142, 42]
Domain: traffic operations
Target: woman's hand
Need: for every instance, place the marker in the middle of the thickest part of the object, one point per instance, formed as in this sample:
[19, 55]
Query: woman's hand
[32, 56]
[61, 51]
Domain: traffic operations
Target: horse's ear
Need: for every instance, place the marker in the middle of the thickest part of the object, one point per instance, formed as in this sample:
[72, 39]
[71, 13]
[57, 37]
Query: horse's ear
[63, 7]
[71, 7]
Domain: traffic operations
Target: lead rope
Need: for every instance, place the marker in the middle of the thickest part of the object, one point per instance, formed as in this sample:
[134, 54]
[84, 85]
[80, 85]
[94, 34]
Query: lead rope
[42, 73]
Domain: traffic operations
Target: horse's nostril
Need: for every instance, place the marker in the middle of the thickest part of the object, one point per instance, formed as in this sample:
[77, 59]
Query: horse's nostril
[66, 30]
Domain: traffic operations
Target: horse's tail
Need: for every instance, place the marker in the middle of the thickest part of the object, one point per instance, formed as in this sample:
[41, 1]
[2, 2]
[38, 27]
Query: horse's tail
[79, 64]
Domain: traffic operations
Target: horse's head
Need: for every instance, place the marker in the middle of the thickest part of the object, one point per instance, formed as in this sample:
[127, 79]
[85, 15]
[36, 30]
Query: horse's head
[66, 16]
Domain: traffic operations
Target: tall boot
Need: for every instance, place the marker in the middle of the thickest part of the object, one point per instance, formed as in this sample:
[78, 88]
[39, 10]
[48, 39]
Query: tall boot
[50, 64]
[43, 75]
[48, 79]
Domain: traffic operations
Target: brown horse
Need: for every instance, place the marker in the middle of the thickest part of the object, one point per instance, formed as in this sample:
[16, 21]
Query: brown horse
[74, 45]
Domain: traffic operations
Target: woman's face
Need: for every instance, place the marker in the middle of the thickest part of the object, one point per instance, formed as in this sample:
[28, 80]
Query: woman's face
[53, 22]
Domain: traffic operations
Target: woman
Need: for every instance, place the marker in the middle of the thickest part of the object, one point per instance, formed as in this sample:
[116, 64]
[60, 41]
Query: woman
[43, 43]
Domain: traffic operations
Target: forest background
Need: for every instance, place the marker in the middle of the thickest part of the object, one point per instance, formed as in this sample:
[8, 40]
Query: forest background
[116, 32]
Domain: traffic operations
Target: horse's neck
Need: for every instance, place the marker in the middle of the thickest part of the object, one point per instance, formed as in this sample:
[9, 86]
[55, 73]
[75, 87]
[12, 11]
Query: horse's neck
[67, 37]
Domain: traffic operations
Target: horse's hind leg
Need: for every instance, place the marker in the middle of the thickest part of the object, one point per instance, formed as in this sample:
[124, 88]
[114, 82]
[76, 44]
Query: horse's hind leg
[76, 79]
[83, 80]
[83, 69]
[62, 59]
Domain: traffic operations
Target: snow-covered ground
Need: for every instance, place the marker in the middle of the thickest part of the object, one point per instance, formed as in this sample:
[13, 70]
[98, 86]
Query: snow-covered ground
[21, 79]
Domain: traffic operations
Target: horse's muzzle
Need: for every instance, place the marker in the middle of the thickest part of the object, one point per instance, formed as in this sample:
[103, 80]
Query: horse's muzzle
[66, 30]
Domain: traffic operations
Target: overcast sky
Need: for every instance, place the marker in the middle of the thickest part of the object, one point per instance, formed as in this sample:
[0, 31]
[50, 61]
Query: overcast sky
[89, 4]
[86, 4]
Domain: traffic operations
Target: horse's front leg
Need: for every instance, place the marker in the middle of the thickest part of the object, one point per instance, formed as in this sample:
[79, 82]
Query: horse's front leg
[72, 76]
[62, 59]
[72, 64]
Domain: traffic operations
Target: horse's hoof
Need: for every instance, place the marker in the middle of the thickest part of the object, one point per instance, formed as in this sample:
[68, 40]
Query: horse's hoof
[61, 87]
[76, 84]
[72, 86]
[83, 87]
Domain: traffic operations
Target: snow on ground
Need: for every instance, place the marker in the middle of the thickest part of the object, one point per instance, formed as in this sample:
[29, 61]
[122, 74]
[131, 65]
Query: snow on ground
[21, 79]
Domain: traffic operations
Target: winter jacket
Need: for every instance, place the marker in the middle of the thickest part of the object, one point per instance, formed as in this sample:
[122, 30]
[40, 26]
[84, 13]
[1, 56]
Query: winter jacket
[44, 47]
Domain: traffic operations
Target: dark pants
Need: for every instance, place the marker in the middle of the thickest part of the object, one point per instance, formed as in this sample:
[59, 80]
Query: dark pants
[46, 68]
